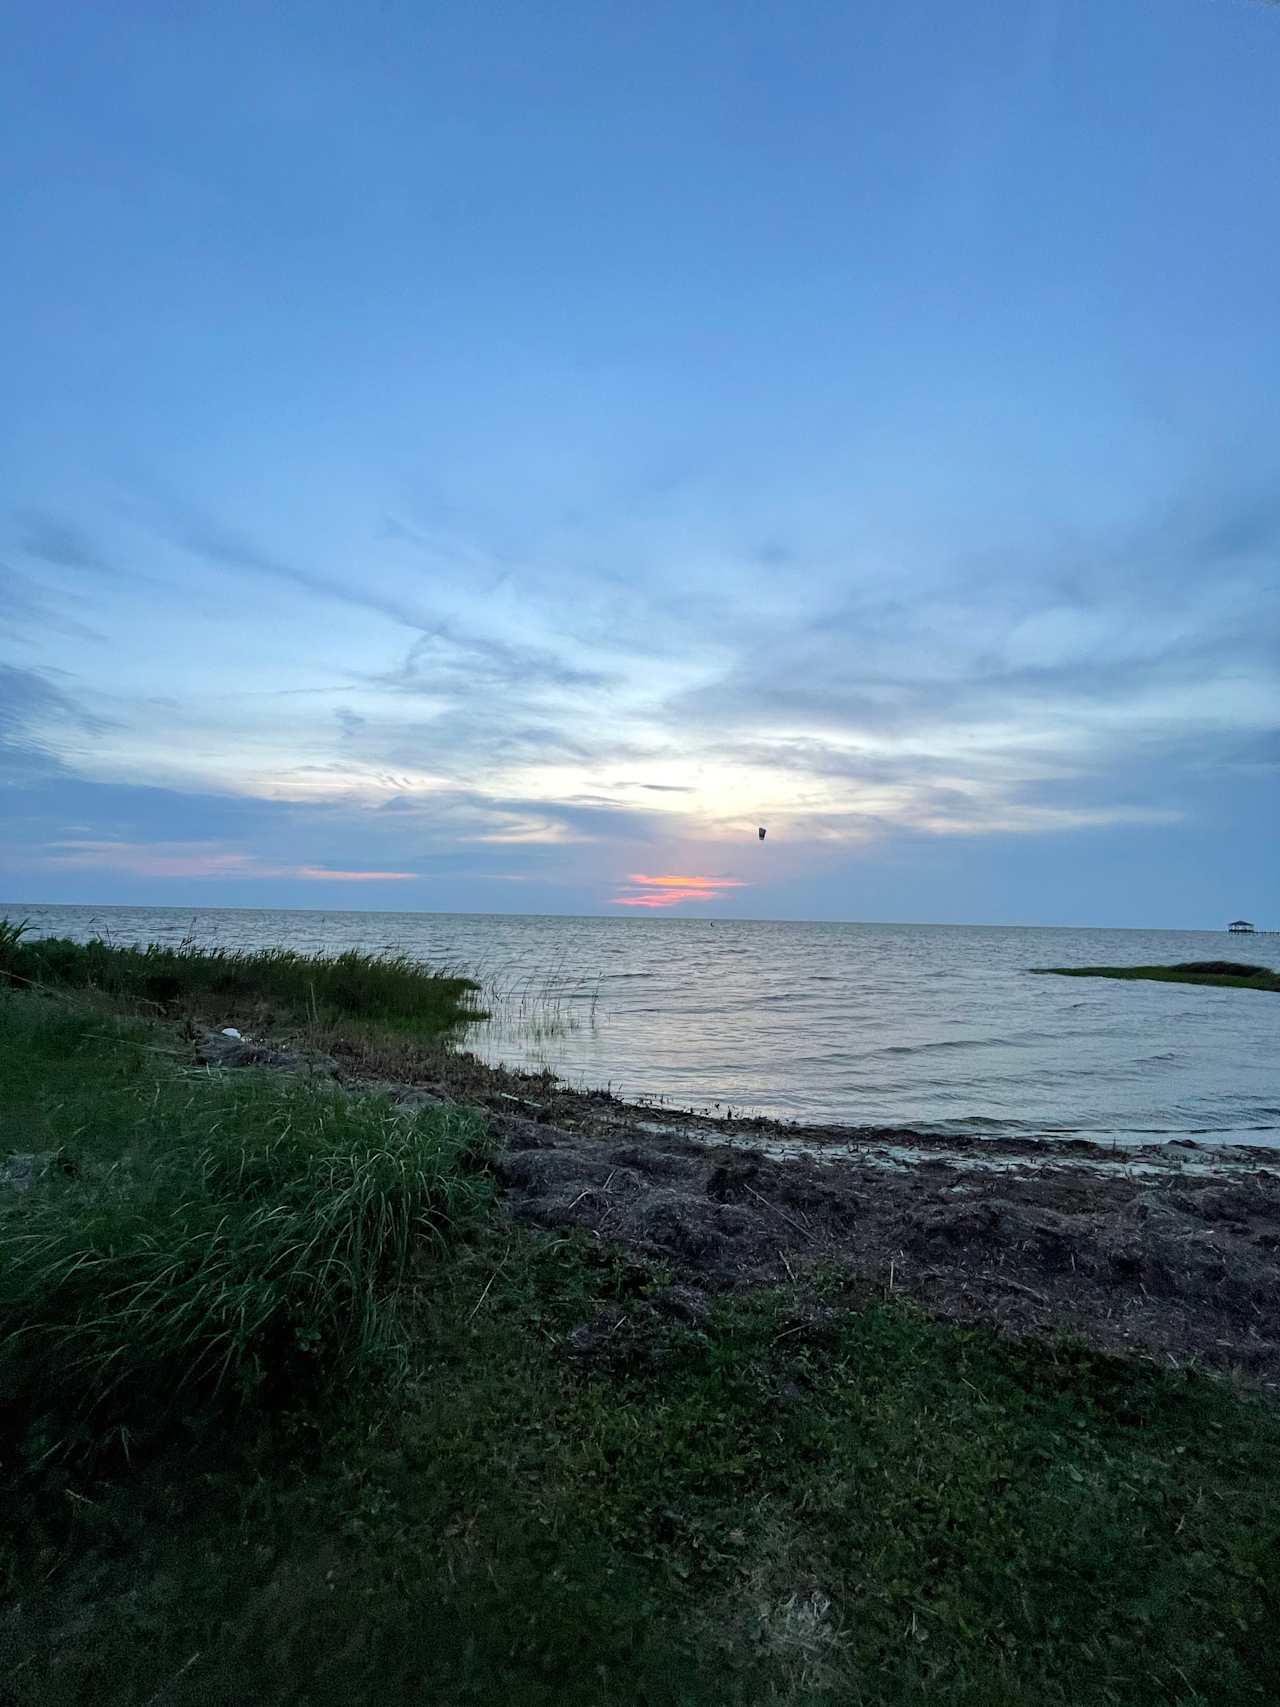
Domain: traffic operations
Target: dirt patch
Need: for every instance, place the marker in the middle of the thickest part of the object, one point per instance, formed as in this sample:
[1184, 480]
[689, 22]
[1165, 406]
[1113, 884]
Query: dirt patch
[1172, 1250]
[1187, 1269]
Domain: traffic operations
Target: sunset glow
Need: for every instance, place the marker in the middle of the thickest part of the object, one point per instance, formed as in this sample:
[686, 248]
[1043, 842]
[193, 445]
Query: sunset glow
[670, 891]
[686, 882]
[468, 546]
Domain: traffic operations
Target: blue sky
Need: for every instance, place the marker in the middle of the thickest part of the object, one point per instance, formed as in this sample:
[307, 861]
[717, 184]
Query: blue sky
[493, 457]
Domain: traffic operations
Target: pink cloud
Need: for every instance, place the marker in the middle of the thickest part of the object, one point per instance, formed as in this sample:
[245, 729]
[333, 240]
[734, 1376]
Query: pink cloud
[670, 891]
[320, 874]
[666, 898]
[686, 882]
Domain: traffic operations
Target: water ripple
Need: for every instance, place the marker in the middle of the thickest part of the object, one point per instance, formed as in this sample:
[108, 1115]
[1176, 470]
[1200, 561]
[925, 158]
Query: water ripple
[849, 1023]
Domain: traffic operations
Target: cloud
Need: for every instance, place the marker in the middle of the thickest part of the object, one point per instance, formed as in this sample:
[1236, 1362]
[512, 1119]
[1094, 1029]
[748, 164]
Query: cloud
[444, 655]
[493, 694]
[200, 859]
[528, 819]
[27, 607]
[204, 536]
[447, 657]
[686, 882]
[1242, 525]
[667, 898]
[1070, 688]
[673, 891]
[62, 543]
[947, 701]
[34, 713]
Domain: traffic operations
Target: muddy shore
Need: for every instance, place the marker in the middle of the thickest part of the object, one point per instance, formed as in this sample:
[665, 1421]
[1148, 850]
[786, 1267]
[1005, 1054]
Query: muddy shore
[1170, 1251]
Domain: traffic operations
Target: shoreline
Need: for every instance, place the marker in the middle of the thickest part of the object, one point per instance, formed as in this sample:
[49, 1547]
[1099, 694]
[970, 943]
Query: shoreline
[1167, 1252]
[455, 1073]
[513, 1380]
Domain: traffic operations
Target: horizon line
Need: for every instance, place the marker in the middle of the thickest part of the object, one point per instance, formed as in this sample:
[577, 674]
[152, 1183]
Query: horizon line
[642, 917]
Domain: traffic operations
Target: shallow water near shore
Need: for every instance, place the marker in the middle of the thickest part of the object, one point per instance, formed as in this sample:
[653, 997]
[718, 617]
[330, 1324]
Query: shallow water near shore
[935, 1028]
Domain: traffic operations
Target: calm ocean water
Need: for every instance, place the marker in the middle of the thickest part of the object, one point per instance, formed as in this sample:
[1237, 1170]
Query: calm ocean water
[931, 1026]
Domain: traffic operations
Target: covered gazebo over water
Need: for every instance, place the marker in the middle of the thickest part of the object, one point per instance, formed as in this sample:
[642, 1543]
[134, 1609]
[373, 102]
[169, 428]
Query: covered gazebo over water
[1241, 927]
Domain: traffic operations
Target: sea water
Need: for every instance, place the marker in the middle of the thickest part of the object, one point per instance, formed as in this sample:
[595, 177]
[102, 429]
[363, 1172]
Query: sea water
[940, 1028]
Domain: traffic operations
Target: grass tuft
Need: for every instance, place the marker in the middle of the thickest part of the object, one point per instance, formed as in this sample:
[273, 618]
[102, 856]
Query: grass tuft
[237, 1238]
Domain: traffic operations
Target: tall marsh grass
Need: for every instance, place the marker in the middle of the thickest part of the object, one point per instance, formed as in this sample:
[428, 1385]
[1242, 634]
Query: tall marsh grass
[389, 989]
[536, 1008]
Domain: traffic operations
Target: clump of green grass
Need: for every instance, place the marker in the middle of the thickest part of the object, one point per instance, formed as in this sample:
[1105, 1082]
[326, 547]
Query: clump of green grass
[12, 932]
[1232, 973]
[390, 990]
[202, 1237]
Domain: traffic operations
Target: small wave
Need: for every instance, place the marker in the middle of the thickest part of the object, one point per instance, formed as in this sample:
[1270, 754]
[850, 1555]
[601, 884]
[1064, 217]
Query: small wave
[940, 1043]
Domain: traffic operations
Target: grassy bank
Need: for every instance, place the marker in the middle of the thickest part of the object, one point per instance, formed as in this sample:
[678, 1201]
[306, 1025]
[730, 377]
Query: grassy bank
[198, 1241]
[269, 987]
[385, 1445]
[1230, 973]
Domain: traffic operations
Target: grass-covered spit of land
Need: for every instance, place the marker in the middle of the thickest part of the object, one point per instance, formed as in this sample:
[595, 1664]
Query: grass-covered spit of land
[293, 1415]
[1231, 973]
[270, 986]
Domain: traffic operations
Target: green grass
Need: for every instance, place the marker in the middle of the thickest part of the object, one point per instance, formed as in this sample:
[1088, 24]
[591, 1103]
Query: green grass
[273, 986]
[384, 1447]
[775, 1506]
[1226, 972]
[198, 1239]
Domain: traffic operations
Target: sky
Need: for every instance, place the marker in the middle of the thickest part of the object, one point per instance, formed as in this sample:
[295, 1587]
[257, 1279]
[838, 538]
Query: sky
[494, 457]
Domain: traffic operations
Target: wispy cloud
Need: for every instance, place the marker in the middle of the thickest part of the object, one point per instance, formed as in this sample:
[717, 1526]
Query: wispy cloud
[38, 719]
[27, 608]
[59, 541]
[200, 860]
[1072, 697]
[447, 656]
[673, 891]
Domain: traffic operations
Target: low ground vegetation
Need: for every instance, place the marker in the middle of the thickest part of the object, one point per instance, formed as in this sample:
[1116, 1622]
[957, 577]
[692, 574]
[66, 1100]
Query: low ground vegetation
[405, 1449]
